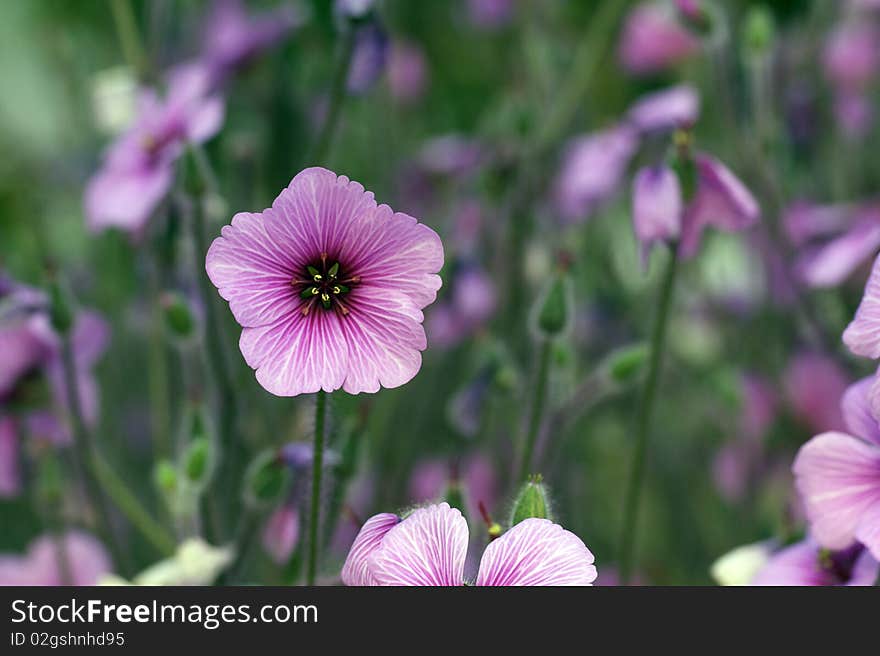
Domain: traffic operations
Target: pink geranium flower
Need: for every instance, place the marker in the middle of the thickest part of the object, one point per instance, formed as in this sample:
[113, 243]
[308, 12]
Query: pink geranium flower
[429, 547]
[138, 169]
[328, 286]
[838, 477]
[76, 558]
[807, 564]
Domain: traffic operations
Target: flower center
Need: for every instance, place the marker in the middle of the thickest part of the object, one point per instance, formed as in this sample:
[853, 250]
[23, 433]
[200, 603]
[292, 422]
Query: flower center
[324, 285]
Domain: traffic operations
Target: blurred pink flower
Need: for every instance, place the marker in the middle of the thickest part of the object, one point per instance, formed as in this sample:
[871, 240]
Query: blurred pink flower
[490, 14]
[76, 558]
[862, 336]
[852, 55]
[430, 479]
[806, 564]
[138, 168]
[471, 302]
[233, 37]
[668, 109]
[720, 200]
[407, 72]
[428, 548]
[592, 169]
[328, 286]
[450, 154]
[369, 57]
[854, 113]
[281, 533]
[814, 384]
[838, 476]
[26, 340]
[10, 472]
[653, 39]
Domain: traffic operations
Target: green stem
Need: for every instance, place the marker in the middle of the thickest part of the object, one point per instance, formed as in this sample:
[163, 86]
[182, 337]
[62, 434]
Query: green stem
[537, 409]
[337, 98]
[129, 39]
[317, 471]
[129, 505]
[586, 60]
[244, 538]
[649, 393]
[84, 451]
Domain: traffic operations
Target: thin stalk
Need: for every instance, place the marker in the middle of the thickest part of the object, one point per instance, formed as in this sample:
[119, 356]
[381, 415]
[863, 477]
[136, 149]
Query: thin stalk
[84, 452]
[129, 38]
[537, 409]
[244, 538]
[317, 471]
[646, 409]
[322, 144]
[129, 506]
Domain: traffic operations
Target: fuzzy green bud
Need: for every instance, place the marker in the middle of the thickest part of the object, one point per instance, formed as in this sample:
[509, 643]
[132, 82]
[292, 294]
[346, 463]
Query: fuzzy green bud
[533, 500]
[165, 477]
[758, 31]
[266, 480]
[197, 460]
[178, 316]
[552, 316]
[60, 312]
[627, 363]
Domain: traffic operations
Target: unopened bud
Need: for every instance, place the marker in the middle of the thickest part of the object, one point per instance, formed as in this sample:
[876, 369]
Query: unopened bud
[178, 316]
[627, 363]
[553, 310]
[265, 480]
[533, 500]
[758, 31]
[165, 477]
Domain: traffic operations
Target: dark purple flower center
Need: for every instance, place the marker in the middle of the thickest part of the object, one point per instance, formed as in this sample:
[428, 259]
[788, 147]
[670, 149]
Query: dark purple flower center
[324, 284]
[838, 566]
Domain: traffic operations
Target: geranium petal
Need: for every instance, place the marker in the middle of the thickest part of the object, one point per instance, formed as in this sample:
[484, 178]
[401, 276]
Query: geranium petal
[537, 552]
[427, 548]
[862, 336]
[857, 413]
[838, 477]
[357, 570]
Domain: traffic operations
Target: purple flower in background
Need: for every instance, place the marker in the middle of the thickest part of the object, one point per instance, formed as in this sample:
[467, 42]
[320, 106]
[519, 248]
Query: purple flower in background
[450, 154]
[430, 479]
[835, 240]
[720, 200]
[281, 533]
[671, 108]
[76, 558]
[138, 168]
[807, 564]
[489, 14]
[814, 384]
[657, 207]
[653, 39]
[852, 55]
[10, 473]
[592, 169]
[838, 477]
[26, 339]
[233, 37]
[328, 286]
[471, 303]
[407, 72]
[369, 57]
[428, 548]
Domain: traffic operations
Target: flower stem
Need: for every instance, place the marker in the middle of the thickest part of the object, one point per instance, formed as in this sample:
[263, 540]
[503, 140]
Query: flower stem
[537, 409]
[322, 144]
[317, 470]
[127, 30]
[84, 450]
[649, 393]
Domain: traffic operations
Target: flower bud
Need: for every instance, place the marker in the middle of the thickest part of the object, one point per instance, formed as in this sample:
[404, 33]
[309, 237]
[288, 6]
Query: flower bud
[533, 500]
[197, 461]
[266, 479]
[758, 31]
[627, 363]
[60, 312]
[553, 310]
[178, 317]
[165, 478]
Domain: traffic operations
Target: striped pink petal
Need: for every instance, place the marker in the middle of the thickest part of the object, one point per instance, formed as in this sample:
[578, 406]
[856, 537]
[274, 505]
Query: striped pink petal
[537, 552]
[357, 570]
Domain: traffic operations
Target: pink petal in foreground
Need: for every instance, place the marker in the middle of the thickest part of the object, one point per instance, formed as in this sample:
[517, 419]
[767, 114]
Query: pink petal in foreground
[428, 548]
[357, 570]
[838, 477]
[862, 336]
[537, 552]
[857, 413]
